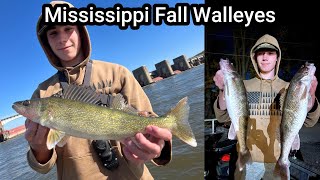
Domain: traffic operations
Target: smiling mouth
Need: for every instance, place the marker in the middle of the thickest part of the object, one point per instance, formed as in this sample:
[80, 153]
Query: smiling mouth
[64, 48]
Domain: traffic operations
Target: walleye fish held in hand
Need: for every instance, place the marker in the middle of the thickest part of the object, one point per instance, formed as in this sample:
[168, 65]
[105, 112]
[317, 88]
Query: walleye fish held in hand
[69, 116]
[294, 114]
[237, 107]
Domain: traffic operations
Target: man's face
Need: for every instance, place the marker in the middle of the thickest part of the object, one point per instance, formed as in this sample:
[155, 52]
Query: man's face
[65, 42]
[267, 60]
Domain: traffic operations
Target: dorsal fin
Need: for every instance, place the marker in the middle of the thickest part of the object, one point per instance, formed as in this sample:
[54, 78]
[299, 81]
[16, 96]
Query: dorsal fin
[106, 99]
[118, 102]
[81, 93]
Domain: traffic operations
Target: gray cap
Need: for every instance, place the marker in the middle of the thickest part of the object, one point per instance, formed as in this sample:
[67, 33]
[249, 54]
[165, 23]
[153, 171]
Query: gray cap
[266, 46]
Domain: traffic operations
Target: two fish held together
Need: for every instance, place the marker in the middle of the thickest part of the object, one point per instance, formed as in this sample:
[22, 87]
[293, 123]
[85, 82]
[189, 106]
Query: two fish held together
[294, 107]
[75, 113]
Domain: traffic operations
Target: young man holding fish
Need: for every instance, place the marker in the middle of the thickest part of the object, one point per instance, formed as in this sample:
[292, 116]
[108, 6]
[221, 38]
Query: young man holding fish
[264, 94]
[68, 50]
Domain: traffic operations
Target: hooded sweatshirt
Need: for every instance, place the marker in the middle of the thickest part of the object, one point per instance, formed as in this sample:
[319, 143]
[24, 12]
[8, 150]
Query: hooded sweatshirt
[77, 159]
[263, 129]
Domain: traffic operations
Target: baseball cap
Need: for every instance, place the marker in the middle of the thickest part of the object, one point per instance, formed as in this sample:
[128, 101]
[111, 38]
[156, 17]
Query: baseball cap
[266, 46]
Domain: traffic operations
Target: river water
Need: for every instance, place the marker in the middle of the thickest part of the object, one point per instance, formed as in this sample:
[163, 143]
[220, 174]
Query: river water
[187, 162]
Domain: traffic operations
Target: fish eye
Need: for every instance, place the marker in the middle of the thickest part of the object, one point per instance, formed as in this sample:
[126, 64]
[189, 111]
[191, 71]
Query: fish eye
[26, 103]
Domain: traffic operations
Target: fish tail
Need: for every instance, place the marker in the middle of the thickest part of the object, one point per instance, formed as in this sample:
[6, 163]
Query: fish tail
[182, 128]
[282, 170]
[243, 159]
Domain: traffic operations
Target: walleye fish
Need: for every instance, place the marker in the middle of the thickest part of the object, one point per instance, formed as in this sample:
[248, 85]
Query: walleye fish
[294, 114]
[237, 107]
[69, 116]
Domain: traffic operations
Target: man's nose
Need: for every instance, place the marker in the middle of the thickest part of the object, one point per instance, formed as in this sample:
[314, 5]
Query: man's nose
[63, 37]
[265, 55]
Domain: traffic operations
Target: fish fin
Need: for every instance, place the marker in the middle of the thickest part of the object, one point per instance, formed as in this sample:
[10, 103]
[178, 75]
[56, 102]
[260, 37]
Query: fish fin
[226, 89]
[309, 101]
[243, 159]
[118, 102]
[63, 141]
[81, 93]
[182, 128]
[305, 93]
[54, 136]
[282, 170]
[106, 99]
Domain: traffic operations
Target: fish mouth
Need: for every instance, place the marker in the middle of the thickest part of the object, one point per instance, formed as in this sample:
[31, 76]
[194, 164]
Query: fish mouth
[225, 65]
[224, 62]
[308, 70]
[312, 69]
[16, 108]
[309, 67]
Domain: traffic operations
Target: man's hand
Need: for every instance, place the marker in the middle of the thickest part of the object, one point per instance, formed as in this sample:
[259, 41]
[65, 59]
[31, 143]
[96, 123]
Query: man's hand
[145, 147]
[313, 88]
[36, 135]
[218, 80]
